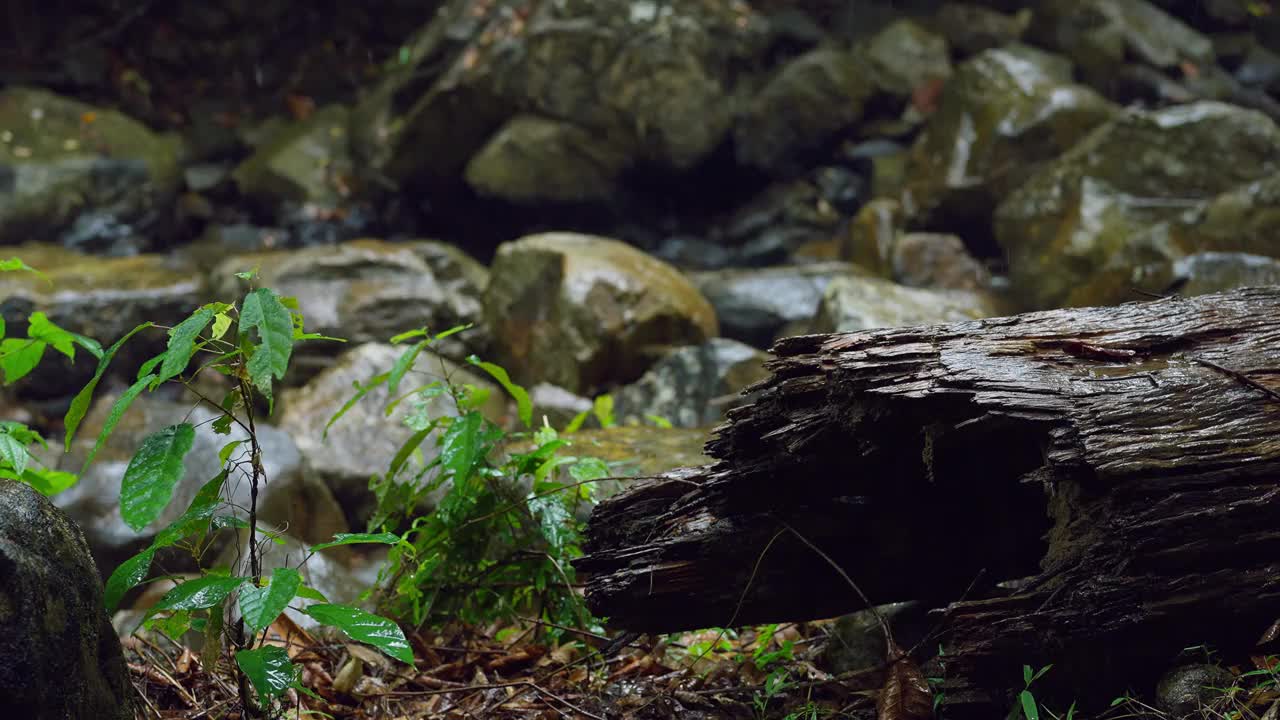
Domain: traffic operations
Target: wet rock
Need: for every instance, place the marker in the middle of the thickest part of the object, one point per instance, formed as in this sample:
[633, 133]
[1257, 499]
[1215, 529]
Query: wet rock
[59, 657]
[639, 450]
[850, 304]
[362, 443]
[1070, 230]
[91, 177]
[534, 159]
[757, 306]
[970, 28]
[692, 386]
[288, 497]
[308, 162]
[931, 260]
[1185, 690]
[904, 56]
[652, 77]
[1260, 68]
[856, 641]
[369, 290]
[771, 226]
[801, 108]
[888, 161]
[869, 239]
[103, 298]
[1101, 35]
[1003, 113]
[1210, 272]
[579, 310]
[1245, 218]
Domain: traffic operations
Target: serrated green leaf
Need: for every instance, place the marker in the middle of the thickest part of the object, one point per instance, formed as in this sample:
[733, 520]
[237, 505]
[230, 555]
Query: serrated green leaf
[260, 606]
[152, 474]
[39, 327]
[200, 593]
[269, 669]
[588, 469]
[182, 343]
[364, 627]
[461, 448]
[263, 312]
[385, 538]
[19, 356]
[524, 406]
[113, 417]
[80, 403]
[128, 574]
[14, 452]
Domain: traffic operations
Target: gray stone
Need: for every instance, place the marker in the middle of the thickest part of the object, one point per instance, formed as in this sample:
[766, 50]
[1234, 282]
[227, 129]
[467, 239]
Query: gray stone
[64, 162]
[863, 303]
[1189, 689]
[59, 656]
[904, 56]
[970, 28]
[856, 641]
[754, 306]
[934, 260]
[1100, 35]
[1210, 272]
[692, 386]
[534, 159]
[307, 162]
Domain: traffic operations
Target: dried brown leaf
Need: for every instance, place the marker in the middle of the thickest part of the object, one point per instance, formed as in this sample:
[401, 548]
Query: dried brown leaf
[905, 695]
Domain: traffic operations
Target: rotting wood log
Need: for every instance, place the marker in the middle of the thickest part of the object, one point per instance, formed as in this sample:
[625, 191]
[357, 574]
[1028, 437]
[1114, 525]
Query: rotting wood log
[1121, 464]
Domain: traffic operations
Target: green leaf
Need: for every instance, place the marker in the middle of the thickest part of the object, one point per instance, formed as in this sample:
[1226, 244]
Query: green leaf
[39, 327]
[403, 363]
[230, 521]
[202, 507]
[221, 324]
[385, 538]
[18, 357]
[659, 421]
[225, 453]
[93, 347]
[260, 606]
[149, 366]
[365, 627]
[14, 452]
[222, 425]
[588, 469]
[80, 403]
[603, 410]
[524, 405]
[126, 575]
[269, 669]
[200, 593]
[311, 593]
[361, 391]
[248, 274]
[182, 343]
[49, 482]
[1029, 708]
[576, 423]
[262, 311]
[409, 335]
[14, 263]
[406, 450]
[461, 446]
[153, 473]
[117, 411]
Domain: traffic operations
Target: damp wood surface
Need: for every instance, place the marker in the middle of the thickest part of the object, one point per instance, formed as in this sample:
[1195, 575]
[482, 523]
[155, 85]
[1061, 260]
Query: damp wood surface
[1091, 487]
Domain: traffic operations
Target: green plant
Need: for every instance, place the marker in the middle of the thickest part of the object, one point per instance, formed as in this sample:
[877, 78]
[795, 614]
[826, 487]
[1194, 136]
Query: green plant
[501, 538]
[250, 343]
[1027, 707]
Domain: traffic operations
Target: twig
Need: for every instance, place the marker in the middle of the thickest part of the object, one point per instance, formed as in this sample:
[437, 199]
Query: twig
[1239, 377]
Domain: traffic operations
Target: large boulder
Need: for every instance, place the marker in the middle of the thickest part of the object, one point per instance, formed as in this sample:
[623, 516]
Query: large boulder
[288, 497]
[801, 108]
[91, 177]
[307, 162]
[579, 310]
[362, 443]
[1078, 230]
[59, 656]
[103, 298]
[654, 79]
[905, 57]
[1003, 113]
[369, 290]
[534, 159]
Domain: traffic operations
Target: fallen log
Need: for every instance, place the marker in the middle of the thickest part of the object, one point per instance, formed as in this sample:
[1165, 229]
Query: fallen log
[1119, 465]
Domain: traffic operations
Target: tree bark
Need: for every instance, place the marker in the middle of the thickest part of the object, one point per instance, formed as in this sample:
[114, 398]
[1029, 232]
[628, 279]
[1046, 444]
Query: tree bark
[1117, 466]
